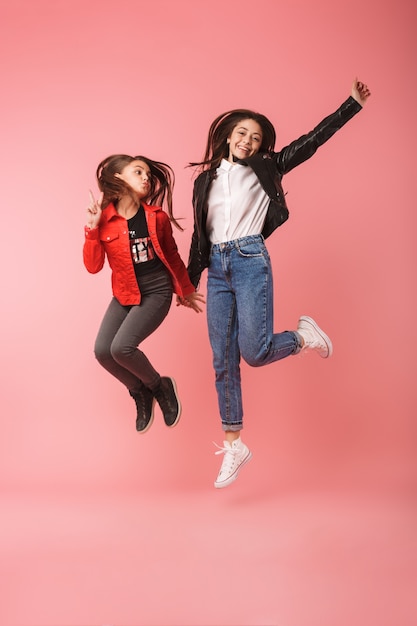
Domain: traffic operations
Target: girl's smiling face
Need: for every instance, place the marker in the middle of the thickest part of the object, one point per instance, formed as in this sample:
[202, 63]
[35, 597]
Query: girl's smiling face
[245, 139]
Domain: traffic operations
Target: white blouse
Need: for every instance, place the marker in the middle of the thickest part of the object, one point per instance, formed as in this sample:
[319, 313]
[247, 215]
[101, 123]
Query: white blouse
[237, 204]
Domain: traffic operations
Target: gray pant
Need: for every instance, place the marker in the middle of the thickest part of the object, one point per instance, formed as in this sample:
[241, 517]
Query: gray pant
[124, 327]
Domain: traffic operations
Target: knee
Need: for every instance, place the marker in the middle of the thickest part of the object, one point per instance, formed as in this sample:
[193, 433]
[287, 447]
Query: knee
[254, 359]
[120, 352]
[102, 353]
[254, 362]
[105, 353]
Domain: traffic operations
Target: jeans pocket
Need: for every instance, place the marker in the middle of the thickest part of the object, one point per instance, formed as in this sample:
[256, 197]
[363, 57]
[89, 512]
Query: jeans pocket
[253, 249]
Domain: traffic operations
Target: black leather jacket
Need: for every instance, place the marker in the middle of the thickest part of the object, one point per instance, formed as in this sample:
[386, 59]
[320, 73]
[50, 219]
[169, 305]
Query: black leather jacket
[270, 168]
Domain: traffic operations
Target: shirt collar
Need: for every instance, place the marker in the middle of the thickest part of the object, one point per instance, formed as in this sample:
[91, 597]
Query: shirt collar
[227, 165]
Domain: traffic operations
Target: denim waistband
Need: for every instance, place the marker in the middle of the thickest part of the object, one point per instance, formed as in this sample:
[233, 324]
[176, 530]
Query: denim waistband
[236, 243]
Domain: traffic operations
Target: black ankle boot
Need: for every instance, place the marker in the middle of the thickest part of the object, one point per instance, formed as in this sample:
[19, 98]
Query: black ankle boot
[166, 395]
[144, 408]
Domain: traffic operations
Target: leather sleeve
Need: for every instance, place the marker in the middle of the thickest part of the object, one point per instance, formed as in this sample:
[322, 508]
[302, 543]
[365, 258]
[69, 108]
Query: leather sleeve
[195, 265]
[303, 148]
[182, 283]
[198, 259]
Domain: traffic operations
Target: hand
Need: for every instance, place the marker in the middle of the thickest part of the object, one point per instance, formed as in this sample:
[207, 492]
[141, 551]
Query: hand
[360, 92]
[94, 211]
[192, 301]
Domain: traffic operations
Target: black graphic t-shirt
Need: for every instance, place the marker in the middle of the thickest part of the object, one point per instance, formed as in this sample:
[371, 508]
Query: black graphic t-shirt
[143, 254]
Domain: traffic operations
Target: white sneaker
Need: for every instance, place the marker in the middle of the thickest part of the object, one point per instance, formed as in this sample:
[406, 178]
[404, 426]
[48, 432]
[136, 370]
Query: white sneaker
[236, 454]
[314, 337]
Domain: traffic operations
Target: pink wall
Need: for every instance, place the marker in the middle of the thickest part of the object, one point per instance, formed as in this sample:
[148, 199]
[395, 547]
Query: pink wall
[83, 80]
[101, 525]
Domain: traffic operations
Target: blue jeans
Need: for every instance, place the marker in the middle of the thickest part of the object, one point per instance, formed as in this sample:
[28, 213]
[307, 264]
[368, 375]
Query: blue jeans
[240, 319]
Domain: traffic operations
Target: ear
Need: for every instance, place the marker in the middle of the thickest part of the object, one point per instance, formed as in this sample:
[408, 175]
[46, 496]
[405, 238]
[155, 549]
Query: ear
[228, 140]
[117, 175]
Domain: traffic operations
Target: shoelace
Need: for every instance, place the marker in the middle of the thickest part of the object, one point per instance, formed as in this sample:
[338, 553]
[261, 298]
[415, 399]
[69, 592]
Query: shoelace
[140, 405]
[318, 340]
[166, 405]
[318, 343]
[141, 402]
[223, 449]
[312, 344]
[229, 456]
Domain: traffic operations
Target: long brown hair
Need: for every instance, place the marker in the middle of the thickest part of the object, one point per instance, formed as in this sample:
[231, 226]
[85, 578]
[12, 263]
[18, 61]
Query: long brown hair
[162, 182]
[220, 130]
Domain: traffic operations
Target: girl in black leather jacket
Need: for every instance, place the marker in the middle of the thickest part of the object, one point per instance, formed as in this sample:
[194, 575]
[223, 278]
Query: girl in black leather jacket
[238, 202]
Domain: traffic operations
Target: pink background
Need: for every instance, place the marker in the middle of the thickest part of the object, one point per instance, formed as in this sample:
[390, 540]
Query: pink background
[101, 526]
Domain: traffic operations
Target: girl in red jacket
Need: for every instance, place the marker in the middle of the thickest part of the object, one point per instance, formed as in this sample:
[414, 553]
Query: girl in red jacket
[128, 226]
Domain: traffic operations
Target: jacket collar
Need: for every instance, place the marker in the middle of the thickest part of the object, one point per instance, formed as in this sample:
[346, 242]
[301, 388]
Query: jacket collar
[112, 212]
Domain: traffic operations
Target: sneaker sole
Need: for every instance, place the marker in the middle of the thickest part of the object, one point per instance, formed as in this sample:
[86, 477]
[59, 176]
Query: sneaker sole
[177, 419]
[322, 334]
[149, 424]
[233, 477]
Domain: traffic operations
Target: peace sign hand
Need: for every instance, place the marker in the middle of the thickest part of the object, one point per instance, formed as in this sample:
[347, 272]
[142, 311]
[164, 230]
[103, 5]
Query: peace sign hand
[94, 211]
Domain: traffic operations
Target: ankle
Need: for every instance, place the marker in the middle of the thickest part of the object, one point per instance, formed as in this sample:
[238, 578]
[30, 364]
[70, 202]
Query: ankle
[300, 338]
[156, 386]
[231, 436]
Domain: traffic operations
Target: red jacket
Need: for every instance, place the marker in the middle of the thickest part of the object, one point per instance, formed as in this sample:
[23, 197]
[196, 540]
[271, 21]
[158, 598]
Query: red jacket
[111, 239]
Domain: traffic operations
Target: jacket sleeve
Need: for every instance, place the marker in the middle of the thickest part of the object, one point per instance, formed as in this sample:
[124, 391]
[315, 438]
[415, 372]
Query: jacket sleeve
[182, 283]
[303, 148]
[198, 259]
[195, 265]
[93, 251]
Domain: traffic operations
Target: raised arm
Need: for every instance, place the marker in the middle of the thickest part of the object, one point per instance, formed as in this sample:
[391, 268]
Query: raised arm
[94, 211]
[93, 250]
[305, 146]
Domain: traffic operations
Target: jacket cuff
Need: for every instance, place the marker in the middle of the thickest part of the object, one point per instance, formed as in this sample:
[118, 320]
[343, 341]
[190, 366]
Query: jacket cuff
[353, 104]
[91, 233]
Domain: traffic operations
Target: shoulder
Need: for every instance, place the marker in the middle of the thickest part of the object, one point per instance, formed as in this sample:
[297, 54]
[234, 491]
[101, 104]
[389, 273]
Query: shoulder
[157, 215]
[109, 212]
[263, 160]
[153, 210]
[262, 157]
[205, 176]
